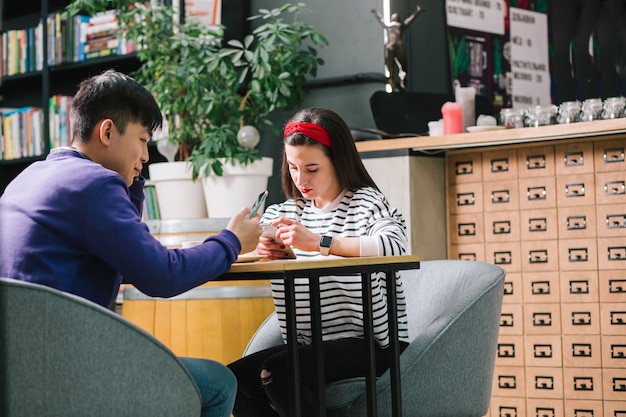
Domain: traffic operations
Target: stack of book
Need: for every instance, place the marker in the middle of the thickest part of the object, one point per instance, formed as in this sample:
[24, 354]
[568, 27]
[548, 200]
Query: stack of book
[101, 36]
[21, 133]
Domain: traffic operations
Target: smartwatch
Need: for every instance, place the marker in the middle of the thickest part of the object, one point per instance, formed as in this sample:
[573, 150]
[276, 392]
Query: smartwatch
[325, 243]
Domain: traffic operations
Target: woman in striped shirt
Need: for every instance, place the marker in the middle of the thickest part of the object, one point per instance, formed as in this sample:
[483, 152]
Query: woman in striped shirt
[333, 208]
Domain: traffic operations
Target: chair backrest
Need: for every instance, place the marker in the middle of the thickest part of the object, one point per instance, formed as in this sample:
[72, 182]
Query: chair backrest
[63, 355]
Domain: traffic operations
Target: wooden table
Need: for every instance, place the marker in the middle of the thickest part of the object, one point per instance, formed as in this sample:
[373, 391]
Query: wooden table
[314, 268]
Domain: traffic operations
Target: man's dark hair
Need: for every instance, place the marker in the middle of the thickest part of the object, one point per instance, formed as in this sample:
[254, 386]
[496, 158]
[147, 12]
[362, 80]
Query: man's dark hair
[116, 96]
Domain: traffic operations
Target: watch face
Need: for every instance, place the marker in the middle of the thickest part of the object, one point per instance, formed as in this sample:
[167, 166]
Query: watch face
[326, 241]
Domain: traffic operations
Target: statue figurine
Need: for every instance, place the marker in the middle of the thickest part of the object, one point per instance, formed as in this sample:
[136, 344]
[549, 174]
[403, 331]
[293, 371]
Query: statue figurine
[395, 57]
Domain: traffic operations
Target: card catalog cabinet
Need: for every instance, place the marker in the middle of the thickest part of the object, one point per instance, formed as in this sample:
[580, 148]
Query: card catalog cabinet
[554, 217]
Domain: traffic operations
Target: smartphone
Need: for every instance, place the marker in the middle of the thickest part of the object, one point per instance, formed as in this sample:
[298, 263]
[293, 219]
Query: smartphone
[270, 231]
[258, 203]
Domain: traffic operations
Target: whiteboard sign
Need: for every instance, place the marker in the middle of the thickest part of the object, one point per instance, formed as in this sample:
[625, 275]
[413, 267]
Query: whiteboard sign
[480, 15]
[530, 69]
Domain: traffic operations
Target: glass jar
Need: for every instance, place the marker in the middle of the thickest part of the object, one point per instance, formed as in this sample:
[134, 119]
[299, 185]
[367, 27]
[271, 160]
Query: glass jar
[569, 112]
[541, 115]
[512, 118]
[591, 110]
[614, 108]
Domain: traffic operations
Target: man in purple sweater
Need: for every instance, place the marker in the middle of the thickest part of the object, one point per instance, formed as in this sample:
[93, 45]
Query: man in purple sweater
[73, 221]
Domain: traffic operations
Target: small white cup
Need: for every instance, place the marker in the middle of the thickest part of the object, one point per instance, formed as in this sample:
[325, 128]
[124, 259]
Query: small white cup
[191, 243]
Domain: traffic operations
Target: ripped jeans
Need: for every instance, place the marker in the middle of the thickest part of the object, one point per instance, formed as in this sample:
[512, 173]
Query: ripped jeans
[343, 358]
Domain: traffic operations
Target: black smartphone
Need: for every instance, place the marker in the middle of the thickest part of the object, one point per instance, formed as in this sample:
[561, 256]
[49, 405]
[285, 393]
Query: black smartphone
[257, 204]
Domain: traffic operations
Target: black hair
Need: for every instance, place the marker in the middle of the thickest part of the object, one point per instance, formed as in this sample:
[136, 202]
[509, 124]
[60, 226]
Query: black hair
[116, 96]
[349, 168]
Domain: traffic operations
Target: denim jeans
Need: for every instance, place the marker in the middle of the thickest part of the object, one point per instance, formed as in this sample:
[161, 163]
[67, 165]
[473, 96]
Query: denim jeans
[217, 386]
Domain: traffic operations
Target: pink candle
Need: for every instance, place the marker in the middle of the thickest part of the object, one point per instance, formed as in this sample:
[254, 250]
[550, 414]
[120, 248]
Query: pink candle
[452, 118]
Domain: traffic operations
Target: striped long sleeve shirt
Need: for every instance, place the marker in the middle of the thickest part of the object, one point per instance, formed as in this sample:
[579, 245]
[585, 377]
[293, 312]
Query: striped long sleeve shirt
[363, 213]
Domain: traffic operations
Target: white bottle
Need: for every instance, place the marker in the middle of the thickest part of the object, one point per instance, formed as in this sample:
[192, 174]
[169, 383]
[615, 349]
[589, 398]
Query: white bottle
[467, 97]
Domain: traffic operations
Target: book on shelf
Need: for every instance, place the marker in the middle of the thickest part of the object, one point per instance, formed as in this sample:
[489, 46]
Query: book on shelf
[21, 132]
[21, 51]
[59, 111]
[151, 205]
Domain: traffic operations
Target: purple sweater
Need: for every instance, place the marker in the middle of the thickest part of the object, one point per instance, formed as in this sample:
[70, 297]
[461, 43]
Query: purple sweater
[71, 224]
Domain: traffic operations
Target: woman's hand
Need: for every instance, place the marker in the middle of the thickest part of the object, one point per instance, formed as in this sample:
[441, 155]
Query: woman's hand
[293, 233]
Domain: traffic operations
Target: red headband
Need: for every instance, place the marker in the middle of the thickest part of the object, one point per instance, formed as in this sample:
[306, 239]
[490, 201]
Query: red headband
[310, 130]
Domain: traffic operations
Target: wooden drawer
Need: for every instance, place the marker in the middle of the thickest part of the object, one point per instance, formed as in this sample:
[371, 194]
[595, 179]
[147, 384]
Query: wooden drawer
[543, 382]
[467, 228]
[465, 198]
[613, 319]
[577, 222]
[544, 350]
[611, 188]
[468, 252]
[464, 167]
[537, 193]
[614, 387]
[611, 220]
[501, 195]
[508, 407]
[582, 383]
[578, 254]
[574, 158]
[540, 256]
[542, 319]
[509, 381]
[579, 286]
[539, 224]
[614, 351]
[609, 155]
[611, 253]
[583, 351]
[507, 255]
[500, 165]
[583, 408]
[543, 407]
[512, 319]
[512, 288]
[612, 286]
[614, 408]
[580, 318]
[541, 287]
[503, 226]
[536, 162]
[575, 190]
[510, 350]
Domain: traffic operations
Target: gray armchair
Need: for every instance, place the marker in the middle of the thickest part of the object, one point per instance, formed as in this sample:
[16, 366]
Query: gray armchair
[61, 355]
[447, 371]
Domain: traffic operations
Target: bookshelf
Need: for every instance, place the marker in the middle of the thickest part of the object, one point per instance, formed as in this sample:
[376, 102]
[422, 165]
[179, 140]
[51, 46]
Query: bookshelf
[34, 86]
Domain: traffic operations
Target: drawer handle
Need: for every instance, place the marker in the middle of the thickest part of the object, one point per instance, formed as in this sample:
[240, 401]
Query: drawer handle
[502, 258]
[616, 221]
[574, 190]
[617, 286]
[578, 254]
[581, 318]
[618, 351]
[584, 383]
[539, 256]
[576, 222]
[618, 318]
[508, 288]
[581, 350]
[536, 162]
[613, 155]
[544, 412]
[502, 227]
[467, 256]
[536, 193]
[506, 320]
[464, 168]
[544, 382]
[619, 384]
[500, 196]
[542, 319]
[500, 165]
[540, 287]
[617, 253]
[574, 159]
[507, 411]
[507, 382]
[542, 351]
[579, 287]
[467, 229]
[465, 199]
[538, 225]
[506, 350]
[614, 188]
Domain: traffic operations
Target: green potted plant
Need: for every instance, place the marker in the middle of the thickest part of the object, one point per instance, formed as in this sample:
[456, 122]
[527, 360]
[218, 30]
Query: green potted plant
[216, 95]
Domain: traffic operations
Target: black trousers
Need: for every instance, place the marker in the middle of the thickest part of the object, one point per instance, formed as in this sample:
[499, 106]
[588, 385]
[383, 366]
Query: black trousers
[343, 358]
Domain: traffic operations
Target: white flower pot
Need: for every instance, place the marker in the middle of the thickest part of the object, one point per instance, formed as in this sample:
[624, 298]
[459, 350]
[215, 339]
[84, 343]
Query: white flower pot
[178, 195]
[238, 187]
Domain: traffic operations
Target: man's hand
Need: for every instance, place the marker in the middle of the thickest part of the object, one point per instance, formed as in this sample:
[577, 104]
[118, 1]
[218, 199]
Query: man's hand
[246, 230]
